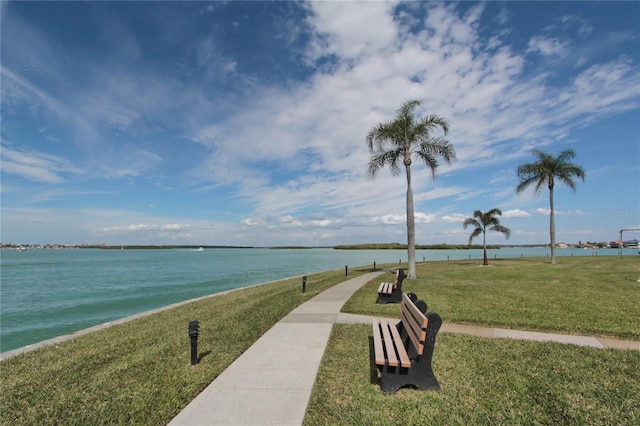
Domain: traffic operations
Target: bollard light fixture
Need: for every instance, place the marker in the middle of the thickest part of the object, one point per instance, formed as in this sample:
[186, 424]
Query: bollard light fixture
[194, 332]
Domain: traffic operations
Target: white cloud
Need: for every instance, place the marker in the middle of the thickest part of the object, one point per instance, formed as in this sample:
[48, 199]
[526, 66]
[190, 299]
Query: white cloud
[390, 219]
[515, 213]
[547, 46]
[421, 217]
[344, 28]
[583, 27]
[454, 218]
[127, 229]
[253, 222]
[546, 212]
[36, 166]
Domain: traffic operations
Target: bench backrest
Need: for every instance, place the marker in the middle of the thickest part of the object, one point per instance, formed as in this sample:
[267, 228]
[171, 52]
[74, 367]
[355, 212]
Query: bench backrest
[414, 324]
[400, 276]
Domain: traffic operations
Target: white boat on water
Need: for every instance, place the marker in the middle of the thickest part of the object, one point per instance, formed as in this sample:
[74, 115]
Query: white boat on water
[199, 249]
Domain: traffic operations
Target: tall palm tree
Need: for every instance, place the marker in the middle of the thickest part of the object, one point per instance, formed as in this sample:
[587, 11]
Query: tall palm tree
[480, 221]
[546, 170]
[395, 142]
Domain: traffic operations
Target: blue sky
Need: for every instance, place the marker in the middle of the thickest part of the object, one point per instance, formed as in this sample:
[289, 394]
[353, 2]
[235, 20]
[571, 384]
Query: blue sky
[244, 123]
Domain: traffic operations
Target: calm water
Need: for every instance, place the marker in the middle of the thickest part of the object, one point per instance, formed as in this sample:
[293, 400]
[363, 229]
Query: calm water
[48, 293]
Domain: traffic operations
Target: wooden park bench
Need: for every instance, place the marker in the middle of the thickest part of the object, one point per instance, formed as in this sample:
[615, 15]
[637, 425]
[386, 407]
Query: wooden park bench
[403, 350]
[391, 292]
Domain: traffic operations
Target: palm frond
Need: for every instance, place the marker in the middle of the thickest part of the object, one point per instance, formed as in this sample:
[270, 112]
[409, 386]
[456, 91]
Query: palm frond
[382, 158]
[431, 122]
[406, 110]
[383, 133]
[502, 229]
[471, 222]
[566, 155]
[431, 149]
[476, 232]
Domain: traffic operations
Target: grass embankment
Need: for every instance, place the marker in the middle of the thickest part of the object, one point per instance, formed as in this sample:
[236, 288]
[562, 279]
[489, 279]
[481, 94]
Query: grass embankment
[496, 381]
[139, 372]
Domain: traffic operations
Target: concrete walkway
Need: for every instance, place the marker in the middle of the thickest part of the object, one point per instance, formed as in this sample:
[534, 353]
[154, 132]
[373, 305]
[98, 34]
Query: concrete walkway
[271, 383]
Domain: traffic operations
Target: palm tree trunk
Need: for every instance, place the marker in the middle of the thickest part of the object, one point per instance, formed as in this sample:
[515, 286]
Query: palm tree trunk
[411, 228]
[485, 261]
[552, 227]
[411, 235]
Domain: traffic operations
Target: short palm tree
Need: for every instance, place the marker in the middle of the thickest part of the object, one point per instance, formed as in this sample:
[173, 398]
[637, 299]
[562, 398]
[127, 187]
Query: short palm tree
[396, 142]
[546, 170]
[481, 221]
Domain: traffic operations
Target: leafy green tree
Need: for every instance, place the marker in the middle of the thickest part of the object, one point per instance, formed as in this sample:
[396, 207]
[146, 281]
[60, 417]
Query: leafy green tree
[396, 143]
[480, 222]
[546, 171]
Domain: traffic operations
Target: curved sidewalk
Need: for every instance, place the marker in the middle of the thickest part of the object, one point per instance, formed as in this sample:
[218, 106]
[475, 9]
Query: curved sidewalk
[271, 383]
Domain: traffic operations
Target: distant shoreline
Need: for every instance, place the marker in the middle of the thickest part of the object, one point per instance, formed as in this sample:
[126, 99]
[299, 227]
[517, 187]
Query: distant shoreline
[370, 246]
[375, 246]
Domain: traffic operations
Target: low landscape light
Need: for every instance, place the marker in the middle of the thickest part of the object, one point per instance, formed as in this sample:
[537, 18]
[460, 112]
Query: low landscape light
[194, 332]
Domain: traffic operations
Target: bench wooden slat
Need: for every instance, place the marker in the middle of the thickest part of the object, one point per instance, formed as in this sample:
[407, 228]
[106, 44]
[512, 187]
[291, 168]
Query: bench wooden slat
[404, 358]
[392, 359]
[419, 318]
[415, 322]
[388, 345]
[377, 342]
[386, 288]
[406, 321]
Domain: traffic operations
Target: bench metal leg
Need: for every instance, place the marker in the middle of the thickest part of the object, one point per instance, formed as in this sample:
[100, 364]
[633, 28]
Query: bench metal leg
[419, 375]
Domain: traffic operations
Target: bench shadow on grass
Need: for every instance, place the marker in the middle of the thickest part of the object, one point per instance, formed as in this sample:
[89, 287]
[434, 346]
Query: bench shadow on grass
[373, 370]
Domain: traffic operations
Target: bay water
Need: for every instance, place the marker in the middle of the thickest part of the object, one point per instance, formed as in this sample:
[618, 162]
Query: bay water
[47, 293]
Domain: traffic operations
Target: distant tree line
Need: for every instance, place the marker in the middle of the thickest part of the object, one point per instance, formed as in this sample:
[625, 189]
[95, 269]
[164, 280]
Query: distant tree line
[398, 246]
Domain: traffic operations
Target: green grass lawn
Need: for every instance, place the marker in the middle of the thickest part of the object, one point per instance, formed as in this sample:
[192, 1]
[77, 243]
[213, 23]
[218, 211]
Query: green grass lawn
[484, 382]
[580, 295]
[496, 381]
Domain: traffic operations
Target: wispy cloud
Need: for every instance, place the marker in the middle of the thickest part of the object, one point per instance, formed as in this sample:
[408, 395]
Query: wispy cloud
[547, 46]
[546, 212]
[36, 166]
[143, 228]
